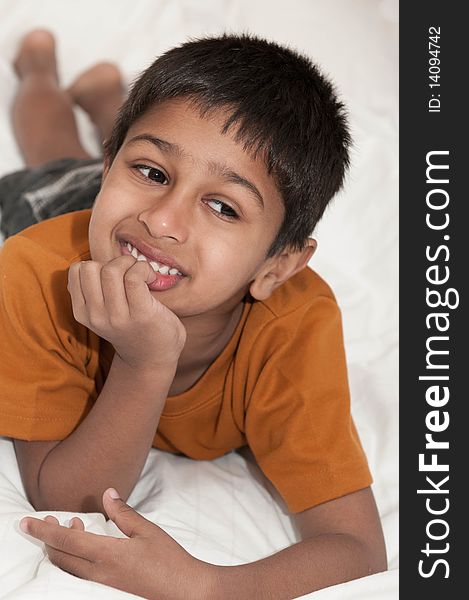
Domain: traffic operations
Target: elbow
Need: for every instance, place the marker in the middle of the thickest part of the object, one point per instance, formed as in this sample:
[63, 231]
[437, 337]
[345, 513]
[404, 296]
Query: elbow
[381, 563]
[377, 565]
[375, 558]
[366, 557]
[51, 496]
[43, 502]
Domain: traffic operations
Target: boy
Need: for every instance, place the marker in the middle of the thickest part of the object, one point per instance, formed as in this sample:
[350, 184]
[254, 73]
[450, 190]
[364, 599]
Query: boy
[192, 322]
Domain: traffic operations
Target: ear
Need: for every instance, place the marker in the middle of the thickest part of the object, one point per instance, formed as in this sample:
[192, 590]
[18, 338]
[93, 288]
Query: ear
[280, 268]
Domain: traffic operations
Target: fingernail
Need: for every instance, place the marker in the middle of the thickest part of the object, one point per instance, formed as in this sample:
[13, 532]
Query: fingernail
[113, 494]
[24, 526]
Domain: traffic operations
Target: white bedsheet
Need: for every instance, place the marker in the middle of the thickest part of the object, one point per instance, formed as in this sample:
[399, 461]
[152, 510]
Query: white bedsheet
[224, 511]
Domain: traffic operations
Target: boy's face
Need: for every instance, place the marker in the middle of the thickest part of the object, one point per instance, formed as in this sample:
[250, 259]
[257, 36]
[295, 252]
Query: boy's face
[175, 191]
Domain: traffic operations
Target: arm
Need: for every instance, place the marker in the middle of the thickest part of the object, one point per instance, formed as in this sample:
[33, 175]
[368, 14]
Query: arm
[342, 540]
[110, 445]
[113, 441]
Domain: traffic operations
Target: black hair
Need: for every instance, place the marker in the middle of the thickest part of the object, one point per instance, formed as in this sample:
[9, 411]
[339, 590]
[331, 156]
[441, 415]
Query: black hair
[279, 104]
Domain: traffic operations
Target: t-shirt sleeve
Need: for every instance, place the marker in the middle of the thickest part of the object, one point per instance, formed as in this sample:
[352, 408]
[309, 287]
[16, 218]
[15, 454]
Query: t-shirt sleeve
[298, 421]
[46, 389]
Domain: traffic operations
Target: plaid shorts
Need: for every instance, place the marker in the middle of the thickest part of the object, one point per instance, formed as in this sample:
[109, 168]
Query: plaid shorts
[60, 186]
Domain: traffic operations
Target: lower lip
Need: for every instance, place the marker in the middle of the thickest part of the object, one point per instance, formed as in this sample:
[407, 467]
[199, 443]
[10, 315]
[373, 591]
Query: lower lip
[162, 282]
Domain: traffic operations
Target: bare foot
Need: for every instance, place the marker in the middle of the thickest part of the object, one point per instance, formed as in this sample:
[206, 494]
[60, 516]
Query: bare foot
[36, 54]
[99, 90]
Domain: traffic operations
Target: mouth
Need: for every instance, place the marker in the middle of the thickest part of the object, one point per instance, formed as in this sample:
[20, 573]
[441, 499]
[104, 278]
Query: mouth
[167, 276]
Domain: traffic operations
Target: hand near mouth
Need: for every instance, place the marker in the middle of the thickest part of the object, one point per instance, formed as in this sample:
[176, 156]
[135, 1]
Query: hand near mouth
[113, 300]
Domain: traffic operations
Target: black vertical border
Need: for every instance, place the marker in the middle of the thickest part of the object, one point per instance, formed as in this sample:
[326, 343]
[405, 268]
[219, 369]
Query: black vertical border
[420, 133]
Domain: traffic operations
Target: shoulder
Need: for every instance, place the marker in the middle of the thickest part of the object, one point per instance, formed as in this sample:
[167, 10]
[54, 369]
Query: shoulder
[61, 239]
[34, 266]
[300, 316]
[301, 290]
[57, 355]
[303, 297]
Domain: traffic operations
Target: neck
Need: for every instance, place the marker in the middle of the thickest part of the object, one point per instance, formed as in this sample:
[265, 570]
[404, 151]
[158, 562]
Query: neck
[207, 336]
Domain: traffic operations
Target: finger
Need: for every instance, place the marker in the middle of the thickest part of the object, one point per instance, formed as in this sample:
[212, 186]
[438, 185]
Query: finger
[124, 516]
[51, 519]
[90, 281]
[71, 541]
[136, 281]
[112, 283]
[75, 291]
[80, 567]
[76, 523]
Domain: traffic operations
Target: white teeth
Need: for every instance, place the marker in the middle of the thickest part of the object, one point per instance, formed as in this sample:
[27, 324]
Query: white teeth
[163, 269]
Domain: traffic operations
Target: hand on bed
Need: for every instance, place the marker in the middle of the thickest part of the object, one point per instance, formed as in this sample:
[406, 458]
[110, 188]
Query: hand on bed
[148, 563]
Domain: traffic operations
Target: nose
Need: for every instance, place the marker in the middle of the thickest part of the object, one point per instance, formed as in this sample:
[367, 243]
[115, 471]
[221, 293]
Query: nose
[167, 216]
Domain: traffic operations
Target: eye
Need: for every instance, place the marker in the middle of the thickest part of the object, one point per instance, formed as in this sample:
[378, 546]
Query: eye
[231, 214]
[151, 173]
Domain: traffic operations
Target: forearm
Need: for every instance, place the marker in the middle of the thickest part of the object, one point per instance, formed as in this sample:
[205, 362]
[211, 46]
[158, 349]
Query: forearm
[110, 446]
[307, 566]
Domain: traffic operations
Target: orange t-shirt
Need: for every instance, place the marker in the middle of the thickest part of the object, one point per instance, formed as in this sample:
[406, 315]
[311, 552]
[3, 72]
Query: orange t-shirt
[279, 385]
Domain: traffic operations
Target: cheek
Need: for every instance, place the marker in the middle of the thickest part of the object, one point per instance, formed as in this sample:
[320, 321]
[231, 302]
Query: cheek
[109, 208]
[217, 257]
[112, 201]
[103, 219]
[229, 265]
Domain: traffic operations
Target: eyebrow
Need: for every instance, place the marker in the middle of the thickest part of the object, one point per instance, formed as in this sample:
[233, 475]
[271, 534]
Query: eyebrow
[215, 168]
[162, 145]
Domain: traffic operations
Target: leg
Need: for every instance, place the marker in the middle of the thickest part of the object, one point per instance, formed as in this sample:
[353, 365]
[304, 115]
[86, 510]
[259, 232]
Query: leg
[42, 114]
[100, 92]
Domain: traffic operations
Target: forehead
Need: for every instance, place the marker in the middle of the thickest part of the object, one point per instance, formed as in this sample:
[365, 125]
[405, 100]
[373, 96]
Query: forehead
[192, 138]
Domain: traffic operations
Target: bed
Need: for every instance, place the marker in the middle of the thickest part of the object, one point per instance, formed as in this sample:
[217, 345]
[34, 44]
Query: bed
[225, 511]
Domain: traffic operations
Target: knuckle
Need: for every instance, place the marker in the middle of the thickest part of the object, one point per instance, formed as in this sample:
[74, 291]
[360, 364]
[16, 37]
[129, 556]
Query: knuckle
[87, 266]
[62, 542]
[117, 322]
[94, 572]
[74, 268]
[109, 271]
[102, 574]
[95, 319]
[119, 552]
[72, 274]
[124, 508]
[63, 561]
[80, 317]
[54, 556]
[114, 552]
[131, 280]
[105, 567]
[89, 270]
